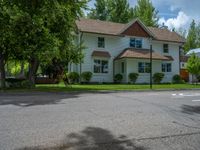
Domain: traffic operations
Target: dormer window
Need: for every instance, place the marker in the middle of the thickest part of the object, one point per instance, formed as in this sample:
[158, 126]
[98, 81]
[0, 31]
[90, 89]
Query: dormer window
[101, 42]
[136, 42]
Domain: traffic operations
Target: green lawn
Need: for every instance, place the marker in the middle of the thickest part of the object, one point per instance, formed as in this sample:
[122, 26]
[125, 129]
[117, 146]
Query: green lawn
[118, 87]
[98, 87]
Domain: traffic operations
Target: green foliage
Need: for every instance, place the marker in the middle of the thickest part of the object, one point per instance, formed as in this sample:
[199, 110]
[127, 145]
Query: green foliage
[157, 77]
[191, 41]
[73, 77]
[177, 79]
[118, 78]
[133, 77]
[18, 83]
[120, 11]
[86, 76]
[146, 12]
[111, 10]
[193, 65]
[100, 11]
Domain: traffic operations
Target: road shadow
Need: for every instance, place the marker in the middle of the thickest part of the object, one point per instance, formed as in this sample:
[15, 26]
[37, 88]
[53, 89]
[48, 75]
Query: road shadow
[190, 109]
[92, 138]
[28, 99]
[33, 99]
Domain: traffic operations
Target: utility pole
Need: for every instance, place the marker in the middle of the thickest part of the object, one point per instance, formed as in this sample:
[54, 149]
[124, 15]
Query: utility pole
[151, 65]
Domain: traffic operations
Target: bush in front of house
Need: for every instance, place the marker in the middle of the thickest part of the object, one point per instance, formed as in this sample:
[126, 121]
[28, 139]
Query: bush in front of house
[86, 76]
[157, 77]
[118, 78]
[133, 77]
[73, 77]
[177, 79]
[18, 83]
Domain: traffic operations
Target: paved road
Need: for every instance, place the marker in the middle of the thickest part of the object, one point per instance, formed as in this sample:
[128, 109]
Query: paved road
[100, 121]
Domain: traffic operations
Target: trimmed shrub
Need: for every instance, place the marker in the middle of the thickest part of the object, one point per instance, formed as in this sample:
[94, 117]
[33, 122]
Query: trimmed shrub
[118, 78]
[86, 76]
[177, 79]
[73, 77]
[157, 77]
[18, 83]
[133, 77]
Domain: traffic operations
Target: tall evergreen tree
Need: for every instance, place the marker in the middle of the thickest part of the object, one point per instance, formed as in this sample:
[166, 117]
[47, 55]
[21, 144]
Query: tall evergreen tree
[191, 38]
[146, 12]
[120, 11]
[100, 10]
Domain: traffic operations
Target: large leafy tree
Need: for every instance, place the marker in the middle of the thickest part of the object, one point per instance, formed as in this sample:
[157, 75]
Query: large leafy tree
[191, 37]
[193, 65]
[45, 30]
[7, 39]
[146, 12]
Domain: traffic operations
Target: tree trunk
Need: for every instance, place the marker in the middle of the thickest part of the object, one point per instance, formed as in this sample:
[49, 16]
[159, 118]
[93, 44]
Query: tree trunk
[2, 71]
[33, 67]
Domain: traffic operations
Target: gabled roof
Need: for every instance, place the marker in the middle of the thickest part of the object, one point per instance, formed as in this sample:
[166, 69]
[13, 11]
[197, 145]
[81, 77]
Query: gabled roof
[116, 29]
[142, 54]
[134, 24]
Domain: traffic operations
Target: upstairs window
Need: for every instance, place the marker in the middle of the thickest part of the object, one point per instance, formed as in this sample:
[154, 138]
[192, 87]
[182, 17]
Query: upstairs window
[100, 66]
[101, 42]
[144, 67]
[166, 67]
[165, 48]
[122, 67]
[136, 42]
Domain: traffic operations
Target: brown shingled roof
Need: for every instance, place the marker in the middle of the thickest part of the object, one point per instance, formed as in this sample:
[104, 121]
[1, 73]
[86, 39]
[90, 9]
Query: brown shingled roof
[142, 54]
[101, 53]
[166, 35]
[111, 28]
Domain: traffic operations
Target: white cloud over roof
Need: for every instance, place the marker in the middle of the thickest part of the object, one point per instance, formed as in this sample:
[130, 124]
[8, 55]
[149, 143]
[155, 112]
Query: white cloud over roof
[180, 21]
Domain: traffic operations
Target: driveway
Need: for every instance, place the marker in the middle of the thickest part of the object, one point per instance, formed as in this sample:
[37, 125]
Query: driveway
[100, 121]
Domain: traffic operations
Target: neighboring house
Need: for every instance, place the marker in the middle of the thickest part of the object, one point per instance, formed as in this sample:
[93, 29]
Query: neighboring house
[183, 71]
[114, 48]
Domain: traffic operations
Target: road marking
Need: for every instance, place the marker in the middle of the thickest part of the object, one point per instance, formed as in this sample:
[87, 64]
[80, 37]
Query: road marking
[196, 100]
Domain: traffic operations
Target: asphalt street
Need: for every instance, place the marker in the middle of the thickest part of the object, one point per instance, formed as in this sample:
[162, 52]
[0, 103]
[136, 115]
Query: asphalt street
[164, 120]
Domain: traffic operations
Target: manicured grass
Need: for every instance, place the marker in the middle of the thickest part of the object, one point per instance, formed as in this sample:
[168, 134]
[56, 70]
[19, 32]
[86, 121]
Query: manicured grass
[117, 87]
[104, 87]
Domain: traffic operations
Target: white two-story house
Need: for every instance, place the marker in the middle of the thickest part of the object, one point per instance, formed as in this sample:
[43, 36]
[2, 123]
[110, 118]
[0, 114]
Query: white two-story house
[115, 48]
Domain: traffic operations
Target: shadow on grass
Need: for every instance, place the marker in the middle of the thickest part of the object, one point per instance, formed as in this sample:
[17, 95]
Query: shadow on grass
[190, 109]
[92, 138]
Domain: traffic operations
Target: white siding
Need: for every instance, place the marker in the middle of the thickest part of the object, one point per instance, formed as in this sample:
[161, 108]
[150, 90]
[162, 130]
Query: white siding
[115, 45]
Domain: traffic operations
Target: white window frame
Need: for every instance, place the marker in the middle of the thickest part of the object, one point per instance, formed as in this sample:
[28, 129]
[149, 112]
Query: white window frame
[164, 67]
[146, 67]
[136, 45]
[101, 44]
[101, 66]
[164, 48]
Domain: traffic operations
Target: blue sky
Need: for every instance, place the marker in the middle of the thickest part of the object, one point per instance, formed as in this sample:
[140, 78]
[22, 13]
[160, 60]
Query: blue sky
[174, 13]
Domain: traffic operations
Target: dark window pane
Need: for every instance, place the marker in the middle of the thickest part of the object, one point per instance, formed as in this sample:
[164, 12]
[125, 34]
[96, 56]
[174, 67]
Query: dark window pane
[104, 66]
[165, 48]
[101, 42]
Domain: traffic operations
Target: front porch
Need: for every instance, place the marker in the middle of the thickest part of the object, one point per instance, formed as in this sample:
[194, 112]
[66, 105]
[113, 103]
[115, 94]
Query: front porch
[138, 61]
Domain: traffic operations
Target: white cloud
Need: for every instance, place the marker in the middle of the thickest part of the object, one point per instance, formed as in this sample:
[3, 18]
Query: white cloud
[181, 21]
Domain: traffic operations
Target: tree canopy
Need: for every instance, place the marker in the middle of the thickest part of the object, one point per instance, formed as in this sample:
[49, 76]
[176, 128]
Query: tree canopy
[121, 12]
[39, 31]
